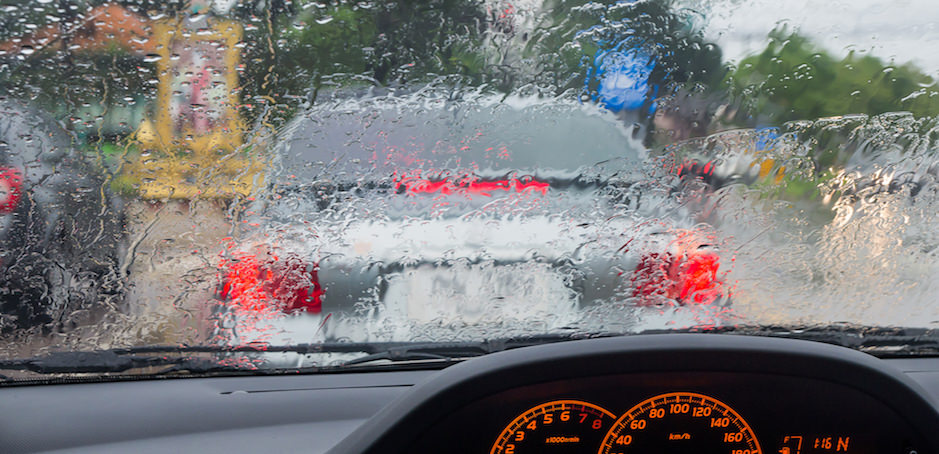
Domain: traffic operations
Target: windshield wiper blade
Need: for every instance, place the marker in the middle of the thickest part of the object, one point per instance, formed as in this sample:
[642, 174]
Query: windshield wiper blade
[104, 361]
[423, 352]
[208, 358]
[451, 351]
[182, 358]
[876, 340]
[115, 361]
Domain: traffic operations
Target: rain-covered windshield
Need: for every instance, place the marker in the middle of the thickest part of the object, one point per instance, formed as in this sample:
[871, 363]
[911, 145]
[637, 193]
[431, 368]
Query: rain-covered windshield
[227, 179]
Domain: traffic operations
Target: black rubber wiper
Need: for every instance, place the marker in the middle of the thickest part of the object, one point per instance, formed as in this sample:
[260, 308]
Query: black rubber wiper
[203, 358]
[110, 362]
[164, 360]
[452, 351]
[884, 342]
[161, 360]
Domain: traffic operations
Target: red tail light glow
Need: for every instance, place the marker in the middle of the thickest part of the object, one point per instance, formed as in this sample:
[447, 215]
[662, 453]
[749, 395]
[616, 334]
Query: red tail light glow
[693, 169]
[689, 278]
[286, 284]
[414, 185]
[11, 189]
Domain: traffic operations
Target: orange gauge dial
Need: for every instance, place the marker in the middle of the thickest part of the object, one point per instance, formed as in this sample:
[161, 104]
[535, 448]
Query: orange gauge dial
[560, 426]
[680, 423]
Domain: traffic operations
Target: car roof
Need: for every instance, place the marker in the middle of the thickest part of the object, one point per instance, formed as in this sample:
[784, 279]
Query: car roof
[485, 134]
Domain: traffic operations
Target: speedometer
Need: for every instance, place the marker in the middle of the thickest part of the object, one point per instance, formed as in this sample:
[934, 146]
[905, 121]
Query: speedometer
[680, 422]
[560, 426]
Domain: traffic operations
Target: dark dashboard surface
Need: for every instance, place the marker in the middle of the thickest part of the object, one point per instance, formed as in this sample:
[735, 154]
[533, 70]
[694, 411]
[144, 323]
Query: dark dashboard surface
[792, 396]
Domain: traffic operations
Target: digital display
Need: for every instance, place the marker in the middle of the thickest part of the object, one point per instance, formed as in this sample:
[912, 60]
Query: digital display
[810, 444]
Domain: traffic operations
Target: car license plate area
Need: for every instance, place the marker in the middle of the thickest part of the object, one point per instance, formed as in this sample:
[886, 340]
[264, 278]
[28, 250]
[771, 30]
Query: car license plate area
[478, 293]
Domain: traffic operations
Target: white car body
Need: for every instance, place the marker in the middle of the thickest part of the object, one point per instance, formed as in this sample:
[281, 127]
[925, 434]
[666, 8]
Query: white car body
[453, 214]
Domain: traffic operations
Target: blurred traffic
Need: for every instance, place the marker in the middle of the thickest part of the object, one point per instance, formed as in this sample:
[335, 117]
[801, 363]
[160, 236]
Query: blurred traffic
[269, 172]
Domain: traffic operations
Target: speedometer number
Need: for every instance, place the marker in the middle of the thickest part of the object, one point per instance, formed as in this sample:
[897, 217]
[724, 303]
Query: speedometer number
[680, 422]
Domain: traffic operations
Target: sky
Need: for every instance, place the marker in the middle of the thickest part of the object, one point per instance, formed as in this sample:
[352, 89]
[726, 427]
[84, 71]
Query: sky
[898, 30]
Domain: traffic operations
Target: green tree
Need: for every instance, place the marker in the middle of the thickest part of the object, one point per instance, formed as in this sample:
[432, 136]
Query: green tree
[792, 79]
[293, 49]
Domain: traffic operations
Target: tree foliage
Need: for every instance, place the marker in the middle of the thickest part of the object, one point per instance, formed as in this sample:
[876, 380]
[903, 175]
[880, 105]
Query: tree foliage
[792, 79]
[295, 50]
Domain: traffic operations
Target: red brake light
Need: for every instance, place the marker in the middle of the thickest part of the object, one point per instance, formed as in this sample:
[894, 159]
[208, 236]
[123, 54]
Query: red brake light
[11, 187]
[690, 278]
[286, 284]
[413, 185]
[690, 169]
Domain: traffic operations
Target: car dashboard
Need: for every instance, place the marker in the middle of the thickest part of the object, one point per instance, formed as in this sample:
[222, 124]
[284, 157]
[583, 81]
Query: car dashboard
[651, 393]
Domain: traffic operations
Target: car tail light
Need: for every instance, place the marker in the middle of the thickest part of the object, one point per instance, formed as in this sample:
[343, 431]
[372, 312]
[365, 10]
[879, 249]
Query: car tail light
[688, 278]
[414, 185]
[691, 169]
[287, 284]
[11, 189]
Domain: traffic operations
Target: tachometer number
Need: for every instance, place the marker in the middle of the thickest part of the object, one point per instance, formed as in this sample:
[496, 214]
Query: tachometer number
[562, 426]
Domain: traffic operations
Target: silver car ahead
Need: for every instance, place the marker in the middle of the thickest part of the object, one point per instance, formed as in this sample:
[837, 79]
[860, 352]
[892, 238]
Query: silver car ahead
[390, 215]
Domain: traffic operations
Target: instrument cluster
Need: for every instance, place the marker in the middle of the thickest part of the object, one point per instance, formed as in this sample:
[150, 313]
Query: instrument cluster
[661, 394]
[678, 413]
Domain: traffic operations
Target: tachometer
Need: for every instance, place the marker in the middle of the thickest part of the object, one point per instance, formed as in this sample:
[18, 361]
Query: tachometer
[560, 426]
[680, 422]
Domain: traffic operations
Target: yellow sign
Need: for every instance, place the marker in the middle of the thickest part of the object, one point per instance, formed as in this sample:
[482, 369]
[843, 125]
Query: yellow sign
[193, 148]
